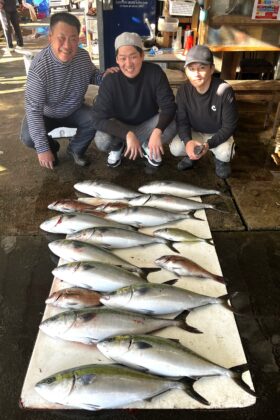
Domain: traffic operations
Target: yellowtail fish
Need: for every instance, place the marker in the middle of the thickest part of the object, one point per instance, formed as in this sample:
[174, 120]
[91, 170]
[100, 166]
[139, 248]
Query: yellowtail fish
[166, 357]
[97, 387]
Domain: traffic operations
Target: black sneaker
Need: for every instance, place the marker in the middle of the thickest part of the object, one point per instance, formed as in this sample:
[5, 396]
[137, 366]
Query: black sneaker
[185, 163]
[152, 161]
[115, 157]
[78, 159]
[223, 169]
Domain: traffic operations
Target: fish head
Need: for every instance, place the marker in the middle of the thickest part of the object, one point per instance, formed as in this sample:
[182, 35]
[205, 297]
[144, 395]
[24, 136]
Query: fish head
[55, 246]
[52, 225]
[57, 325]
[55, 388]
[115, 346]
[118, 299]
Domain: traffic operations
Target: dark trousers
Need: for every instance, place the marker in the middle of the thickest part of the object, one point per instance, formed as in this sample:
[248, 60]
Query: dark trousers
[12, 18]
[82, 119]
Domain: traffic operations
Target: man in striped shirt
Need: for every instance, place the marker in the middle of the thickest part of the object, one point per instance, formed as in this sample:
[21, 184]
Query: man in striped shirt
[57, 81]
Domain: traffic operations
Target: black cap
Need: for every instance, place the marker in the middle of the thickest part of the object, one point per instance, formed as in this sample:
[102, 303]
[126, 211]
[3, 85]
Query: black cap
[199, 54]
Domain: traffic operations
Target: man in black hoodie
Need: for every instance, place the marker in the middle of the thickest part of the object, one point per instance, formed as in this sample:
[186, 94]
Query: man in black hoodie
[135, 107]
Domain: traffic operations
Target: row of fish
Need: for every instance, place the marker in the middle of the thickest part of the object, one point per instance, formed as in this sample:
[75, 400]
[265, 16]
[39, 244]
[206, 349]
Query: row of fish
[131, 306]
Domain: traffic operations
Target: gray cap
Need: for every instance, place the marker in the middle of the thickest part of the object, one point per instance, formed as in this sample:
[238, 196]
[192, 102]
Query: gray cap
[199, 54]
[128, 38]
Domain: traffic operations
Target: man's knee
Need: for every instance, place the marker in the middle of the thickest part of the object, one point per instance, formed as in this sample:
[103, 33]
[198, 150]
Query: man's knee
[103, 141]
[225, 151]
[177, 147]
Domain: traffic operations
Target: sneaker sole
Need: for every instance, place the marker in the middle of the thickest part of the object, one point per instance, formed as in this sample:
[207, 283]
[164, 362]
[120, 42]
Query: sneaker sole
[150, 162]
[114, 165]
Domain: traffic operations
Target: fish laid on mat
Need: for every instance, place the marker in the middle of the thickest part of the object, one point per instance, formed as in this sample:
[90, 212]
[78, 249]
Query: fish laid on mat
[141, 216]
[178, 189]
[70, 223]
[74, 298]
[182, 266]
[105, 189]
[71, 250]
[96, 387]
[89, 326]
[97, 276]
[166, 357]
[75, 206]
[180, 235]
[158, 299]
[117, 238]
[170, 203]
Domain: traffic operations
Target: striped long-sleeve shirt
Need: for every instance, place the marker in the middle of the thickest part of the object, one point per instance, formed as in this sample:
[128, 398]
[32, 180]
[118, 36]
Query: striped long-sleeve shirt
[56, 90]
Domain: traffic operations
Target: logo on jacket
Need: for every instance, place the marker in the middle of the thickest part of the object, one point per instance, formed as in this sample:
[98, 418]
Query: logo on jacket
[213, 107]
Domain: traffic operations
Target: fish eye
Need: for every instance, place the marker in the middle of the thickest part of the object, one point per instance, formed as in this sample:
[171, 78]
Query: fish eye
[50, 380]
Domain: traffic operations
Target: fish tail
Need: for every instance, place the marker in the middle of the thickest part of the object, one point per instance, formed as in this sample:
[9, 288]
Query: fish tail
[189, 389]
[193, 216]
[209, 241]
[224, 300]
[182, 323]
[145, 271]
[219, 279]
[237, 377]
[170, 245]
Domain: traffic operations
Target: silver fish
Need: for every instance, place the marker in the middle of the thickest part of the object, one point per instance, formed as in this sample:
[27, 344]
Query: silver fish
[71, 250]
[89, 326]
[96, 387]
[104, 189]
[75, 206]
[145, 216]
[165, 357]
[180, 235]
[169, 203]
[70, 223]
[96, 276]
[117, 238]
[182, 266]
[74, 298]
[178, 189]
[158, 299]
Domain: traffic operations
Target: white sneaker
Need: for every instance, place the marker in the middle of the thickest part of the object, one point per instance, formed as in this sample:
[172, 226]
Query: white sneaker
[115, 157]
[152, 161]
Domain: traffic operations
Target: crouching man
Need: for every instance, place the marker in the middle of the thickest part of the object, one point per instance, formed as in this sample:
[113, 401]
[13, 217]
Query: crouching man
[206, 116]
[134, 112]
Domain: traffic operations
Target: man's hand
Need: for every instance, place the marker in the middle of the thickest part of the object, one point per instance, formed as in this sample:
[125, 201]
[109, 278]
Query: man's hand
[192, 153]
[133, 146]
[155, 144]
[111, 70]
[46, 159]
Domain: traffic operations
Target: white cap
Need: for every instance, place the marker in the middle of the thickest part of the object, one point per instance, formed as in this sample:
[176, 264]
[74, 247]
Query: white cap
[128, 38]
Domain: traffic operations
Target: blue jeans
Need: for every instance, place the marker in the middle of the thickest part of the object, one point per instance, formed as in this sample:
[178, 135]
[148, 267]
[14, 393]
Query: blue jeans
[82, 119]
[106, 143]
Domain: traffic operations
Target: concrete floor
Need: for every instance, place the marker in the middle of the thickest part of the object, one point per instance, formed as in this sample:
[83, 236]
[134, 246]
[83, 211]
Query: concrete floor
[247, 240]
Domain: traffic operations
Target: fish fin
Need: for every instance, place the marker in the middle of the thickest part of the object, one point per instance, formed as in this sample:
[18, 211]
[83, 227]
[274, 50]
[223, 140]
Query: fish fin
[87, 379]
[189, 389]
[141, 345]
[170, 245]
[237, 371]
[146, 271]
[184, 325]
[171, 282]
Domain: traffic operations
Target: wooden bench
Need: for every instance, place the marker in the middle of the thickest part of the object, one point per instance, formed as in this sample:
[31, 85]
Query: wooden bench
[266, 91]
